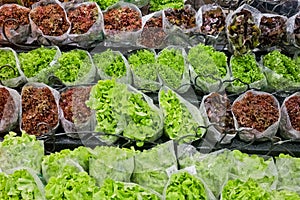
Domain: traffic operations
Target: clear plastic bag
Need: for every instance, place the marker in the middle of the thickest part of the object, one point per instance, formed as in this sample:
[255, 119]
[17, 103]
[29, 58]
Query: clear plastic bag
[174, 71]
[248, 133]
[286, 126]
[43, 109]
[93, 34]
[15, 20]
[126, 35]
[13, 67]
[57, 37]
[293, 29]
[219, 111]
[10, 109]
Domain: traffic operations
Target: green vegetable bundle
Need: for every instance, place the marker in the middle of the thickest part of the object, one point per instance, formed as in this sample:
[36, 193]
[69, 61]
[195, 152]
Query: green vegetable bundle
[112, 64]
[21, 151]
[245, 68]
[124, 191]
[71, 185]
[151, 166]
[74, 161]
[281, 71]
[10, 72]
[75, 67]
[208, 68]
[144, 69]
[173, 69]
[21, 184]
[181, 119]
[111, 162]
[103, 4]
[156, 5]
[38, 64]
[184, 186]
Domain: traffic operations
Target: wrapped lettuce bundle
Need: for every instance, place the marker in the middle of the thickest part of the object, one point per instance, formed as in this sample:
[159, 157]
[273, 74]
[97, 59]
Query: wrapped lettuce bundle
[14, 20]
[173, 70]
[289, 124]
[184, 186]
[152, 166]
[21, 183]
[256, 115]
[245, 68]
[10, 71]
[87, 24]
[144, 70]
[74, 161]
[216, 111]
[10, 102]
[21, 151]
[38, 64]
[75, 67]
[76, 116]
[122, 191]
[156, 5]
[285, 194]
[181, 118]
[71, 185]
[112, 64]
[111, 162]
[48, 20]
[281, 71]
[242, 29]
[288, 173]
[208, 68]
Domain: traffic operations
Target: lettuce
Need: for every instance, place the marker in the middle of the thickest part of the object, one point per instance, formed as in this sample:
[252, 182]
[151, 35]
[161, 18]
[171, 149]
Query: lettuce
[284, 195]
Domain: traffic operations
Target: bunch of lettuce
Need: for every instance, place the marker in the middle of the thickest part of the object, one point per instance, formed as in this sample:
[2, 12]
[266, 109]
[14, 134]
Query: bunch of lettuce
[70, 185]
[73, 66]
[172, 66]
[284, 195]
[281, 71]
[103, 4]
[184, 186]
[20, 185]
[38, 60]
[8, 58]
[288, 173]
[21, 151]
[141, 57]
[244, 190]
[151, 166]
[207, 62]
[110, 63]
[124, 191]
[74, 161]
[111, 162]
[156, 5]
[245, 68]
[179, 124]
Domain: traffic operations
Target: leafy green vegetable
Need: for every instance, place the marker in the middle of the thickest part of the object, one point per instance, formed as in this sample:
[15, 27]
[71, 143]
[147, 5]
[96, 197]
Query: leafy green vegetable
[70, 185]
[184, 186]
[284, 195]
[246, 69]
[288, 173]
[283, 66]
[19, 185]
[151, 165]
[33, 62]
[57, 163]
[237, 189]
[124, 191]
[156, 5]
[24, 151]
[111, 162]
[172, 67]
[73, 65]
[111, 63]
[103, 4]
[207, 62]
[178, 121]
[7, 57]
[141, 57]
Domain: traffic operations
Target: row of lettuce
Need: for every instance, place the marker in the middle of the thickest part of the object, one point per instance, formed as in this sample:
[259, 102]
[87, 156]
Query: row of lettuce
[109, 110]
[203, 66]
[84, 25]
[108, 172]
